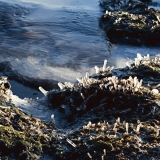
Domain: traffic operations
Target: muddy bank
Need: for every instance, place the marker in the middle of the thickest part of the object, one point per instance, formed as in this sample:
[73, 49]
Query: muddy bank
[131, 22]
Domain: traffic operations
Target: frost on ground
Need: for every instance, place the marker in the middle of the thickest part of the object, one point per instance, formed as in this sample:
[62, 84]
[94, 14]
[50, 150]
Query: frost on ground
[113, 114]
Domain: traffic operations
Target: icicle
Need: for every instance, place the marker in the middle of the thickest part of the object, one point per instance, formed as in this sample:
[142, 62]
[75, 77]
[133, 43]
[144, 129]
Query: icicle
[79, 80]
[114, 126]
[106, 85]
[137, 62]
[156, 59]
[90, 81]
[119, 87]
[69, 85]
[89, 124]
[71, 143]
[138, 128]
[104, 65]
[140, 83]
[127, 128]
[139, 56]
[97, 69]
[157, 132]
[83, 82]
[115, 85]
[52, 116]
[118, 121]
[135, 81]
[87, 75]
[43, 91]
[130, 79]
[89, 155]
[111, 68]
[82, 96]
[61, 86]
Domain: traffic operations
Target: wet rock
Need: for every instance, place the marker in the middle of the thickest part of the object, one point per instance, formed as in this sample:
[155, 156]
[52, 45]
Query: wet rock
[136, 25]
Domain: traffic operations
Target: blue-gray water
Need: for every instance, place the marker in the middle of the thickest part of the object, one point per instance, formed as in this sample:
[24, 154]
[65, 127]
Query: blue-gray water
[56, 41]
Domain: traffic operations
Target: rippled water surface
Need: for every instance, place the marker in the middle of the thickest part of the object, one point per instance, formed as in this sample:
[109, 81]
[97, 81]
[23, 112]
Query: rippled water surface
[56, 41]
[48, 41]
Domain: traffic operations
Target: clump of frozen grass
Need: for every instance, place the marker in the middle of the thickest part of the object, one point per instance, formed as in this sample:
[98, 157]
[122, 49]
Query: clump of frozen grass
[66, 85]
[5, 87]
[125, 85]
[107, 13]
[155, 91]
[140, 60]
[104, 70]
[87, 81]
[69, 85]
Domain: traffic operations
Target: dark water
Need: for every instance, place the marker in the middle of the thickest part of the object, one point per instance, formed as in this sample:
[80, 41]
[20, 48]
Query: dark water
[49, 41]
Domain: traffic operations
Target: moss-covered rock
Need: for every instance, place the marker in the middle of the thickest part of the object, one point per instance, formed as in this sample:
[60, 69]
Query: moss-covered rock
[21, 136]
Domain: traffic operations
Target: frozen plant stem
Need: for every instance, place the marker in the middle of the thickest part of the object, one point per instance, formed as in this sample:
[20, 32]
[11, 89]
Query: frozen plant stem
[89, 155]
[138, 128]
[104, 65]
[126, 128]
[104, 152]
[71, 143]
[118, 121]
[157, 132]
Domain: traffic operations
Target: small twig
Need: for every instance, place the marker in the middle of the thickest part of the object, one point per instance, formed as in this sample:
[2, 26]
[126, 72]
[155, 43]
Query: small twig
[98, 107]
[71, 143]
